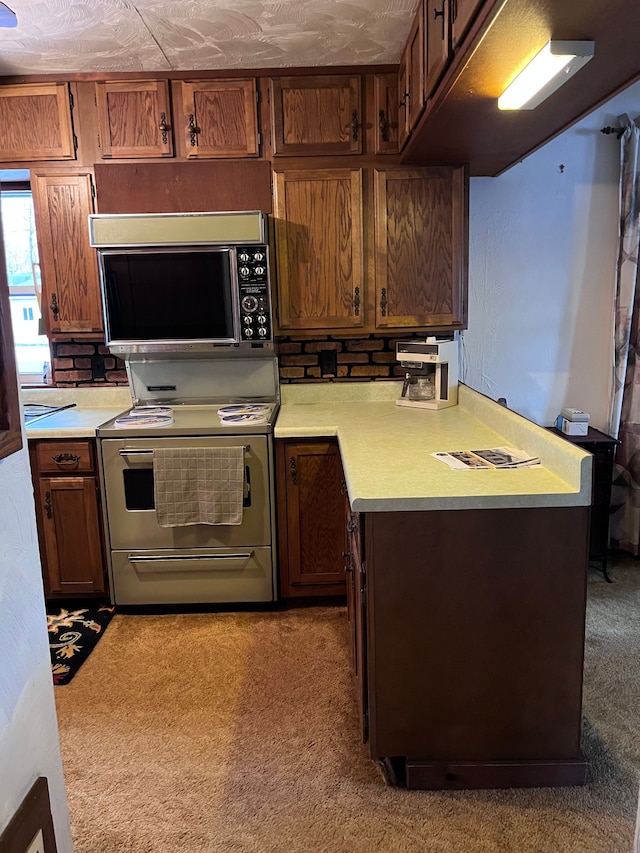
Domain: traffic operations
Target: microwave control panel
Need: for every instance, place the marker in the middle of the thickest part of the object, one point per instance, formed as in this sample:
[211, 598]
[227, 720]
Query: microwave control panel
[254, 293]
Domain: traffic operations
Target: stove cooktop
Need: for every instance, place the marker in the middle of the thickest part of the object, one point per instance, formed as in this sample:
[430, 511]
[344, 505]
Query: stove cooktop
[229, 418]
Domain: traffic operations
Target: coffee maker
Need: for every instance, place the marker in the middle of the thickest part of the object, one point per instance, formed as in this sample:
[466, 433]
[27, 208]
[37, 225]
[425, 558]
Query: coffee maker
[431, 378]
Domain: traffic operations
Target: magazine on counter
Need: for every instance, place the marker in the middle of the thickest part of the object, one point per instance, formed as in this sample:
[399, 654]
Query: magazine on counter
[494, 457]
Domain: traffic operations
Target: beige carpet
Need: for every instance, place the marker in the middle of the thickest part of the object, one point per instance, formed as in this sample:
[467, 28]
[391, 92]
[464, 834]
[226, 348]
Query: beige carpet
[237, 733]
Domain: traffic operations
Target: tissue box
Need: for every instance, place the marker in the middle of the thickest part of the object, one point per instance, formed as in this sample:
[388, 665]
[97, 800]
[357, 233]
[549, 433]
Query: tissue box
[574, 427]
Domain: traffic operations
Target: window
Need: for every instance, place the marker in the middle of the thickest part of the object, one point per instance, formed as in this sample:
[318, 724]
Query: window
[23, 274]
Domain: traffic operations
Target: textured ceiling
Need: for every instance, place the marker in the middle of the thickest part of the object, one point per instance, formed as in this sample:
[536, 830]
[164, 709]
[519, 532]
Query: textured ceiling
[182, 35]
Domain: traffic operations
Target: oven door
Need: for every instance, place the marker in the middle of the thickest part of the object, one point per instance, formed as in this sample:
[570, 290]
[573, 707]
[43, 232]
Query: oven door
[128, 484]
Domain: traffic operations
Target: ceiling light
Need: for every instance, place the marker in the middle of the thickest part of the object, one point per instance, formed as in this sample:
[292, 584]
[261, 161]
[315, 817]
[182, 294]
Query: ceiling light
[547, 71]
[7, 17]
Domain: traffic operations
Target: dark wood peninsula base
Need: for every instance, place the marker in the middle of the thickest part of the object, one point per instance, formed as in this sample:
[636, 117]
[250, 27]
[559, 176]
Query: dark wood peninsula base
[472, 636]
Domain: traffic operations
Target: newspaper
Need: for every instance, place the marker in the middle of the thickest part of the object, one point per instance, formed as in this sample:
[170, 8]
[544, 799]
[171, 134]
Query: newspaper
[494, 457]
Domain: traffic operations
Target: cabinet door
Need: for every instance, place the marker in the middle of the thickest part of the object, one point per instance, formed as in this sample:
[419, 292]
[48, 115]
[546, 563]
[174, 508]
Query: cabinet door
[316, 115]
[134, 119]
[421, 247]
[386, 113]
[35, 122]
[319, 243]
[220, 118]
[462, 14]
[71, 546]
[438, 41]
[411, 76]
[311, 513]
[70, 282]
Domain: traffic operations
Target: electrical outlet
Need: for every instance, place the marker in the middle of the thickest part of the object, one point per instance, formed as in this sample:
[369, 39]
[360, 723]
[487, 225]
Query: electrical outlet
[37, 845]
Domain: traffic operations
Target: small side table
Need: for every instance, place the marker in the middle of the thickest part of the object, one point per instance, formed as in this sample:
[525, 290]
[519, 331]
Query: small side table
[603, 448]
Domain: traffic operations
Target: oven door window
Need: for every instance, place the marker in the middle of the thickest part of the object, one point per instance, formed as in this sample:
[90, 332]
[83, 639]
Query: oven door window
[138, 488]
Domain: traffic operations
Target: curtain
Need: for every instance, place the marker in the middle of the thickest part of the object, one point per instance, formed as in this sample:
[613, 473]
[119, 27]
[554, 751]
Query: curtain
[624, 415]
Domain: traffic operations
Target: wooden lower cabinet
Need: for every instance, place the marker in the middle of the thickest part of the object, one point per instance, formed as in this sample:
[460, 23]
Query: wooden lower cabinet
[310, 501]
[68, 517]
[473, 658]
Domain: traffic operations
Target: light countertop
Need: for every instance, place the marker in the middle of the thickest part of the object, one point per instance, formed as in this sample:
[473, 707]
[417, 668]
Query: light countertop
[386, 449]
[93, 406]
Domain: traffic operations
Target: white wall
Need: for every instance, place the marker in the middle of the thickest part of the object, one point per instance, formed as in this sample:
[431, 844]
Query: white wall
[29, 744]
[543, 243]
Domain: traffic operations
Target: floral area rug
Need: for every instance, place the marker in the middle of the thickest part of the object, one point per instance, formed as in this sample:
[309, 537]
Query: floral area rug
[73, 634]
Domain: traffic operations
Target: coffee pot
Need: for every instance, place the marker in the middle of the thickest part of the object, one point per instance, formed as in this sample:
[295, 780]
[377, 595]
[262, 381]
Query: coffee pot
[431, 377]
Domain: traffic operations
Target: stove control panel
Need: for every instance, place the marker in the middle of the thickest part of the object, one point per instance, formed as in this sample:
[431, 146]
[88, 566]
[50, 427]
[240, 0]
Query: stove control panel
[254, 293]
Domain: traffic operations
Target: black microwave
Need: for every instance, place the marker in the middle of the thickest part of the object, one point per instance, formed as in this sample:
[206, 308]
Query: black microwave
[183, 281]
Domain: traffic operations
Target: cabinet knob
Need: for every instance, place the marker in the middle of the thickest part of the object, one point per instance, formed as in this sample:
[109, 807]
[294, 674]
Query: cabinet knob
[164, 128]
[356, 301]
[194, 130]
[438, 14]
[384, 126]
[354, 125]
[403, 100]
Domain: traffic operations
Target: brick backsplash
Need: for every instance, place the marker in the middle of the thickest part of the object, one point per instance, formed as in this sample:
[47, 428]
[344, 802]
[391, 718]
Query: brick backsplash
[77, 363]
[362, 359]
[301, 359]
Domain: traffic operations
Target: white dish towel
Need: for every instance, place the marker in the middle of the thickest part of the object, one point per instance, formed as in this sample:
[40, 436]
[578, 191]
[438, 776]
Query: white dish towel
[198, 485]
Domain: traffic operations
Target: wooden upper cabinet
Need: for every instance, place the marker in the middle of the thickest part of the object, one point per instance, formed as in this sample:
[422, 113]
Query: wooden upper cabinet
[319, 239]
[316, 115]
[70, 282]
[386, 113]
[134, 119]
[220, 118]
[35, 122]
[421, 247]
[438, 35]
[411, 76]
[462, 14]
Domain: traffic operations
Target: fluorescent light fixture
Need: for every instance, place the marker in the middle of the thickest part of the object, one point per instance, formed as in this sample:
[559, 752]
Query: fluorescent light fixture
[547, 71]
[7, 17]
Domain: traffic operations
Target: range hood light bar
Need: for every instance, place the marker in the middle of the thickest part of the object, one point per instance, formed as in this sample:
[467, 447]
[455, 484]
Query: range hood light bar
[547, 71]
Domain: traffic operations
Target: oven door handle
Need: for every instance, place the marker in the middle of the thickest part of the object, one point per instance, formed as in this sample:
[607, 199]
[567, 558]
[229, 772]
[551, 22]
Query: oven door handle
[127, 451]
[183, 558]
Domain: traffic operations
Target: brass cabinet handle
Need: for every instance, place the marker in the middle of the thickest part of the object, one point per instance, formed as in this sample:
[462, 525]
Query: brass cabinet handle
[48, 508]
[55, 308]
[294, 471]
[67, 460]
[383, 301]
[354, 125]
[194, 130]
[164, 128]
[356, 301]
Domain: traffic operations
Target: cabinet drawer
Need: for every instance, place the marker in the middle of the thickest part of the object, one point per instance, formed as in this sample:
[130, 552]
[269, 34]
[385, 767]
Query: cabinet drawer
[64, 456]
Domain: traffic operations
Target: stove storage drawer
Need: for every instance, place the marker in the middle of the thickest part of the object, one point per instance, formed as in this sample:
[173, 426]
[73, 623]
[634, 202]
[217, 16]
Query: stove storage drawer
[128, 484]
[193, 576]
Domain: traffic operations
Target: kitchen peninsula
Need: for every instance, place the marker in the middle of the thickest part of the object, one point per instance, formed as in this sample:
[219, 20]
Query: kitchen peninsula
[466, 589]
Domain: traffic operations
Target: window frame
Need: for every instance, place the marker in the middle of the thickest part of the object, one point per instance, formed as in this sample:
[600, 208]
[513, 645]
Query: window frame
[21, 185]
[10, 416]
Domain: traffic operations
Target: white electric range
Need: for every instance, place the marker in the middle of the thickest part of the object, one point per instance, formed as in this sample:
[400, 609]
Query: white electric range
[225, 398]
